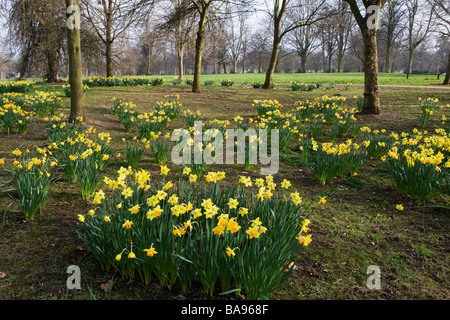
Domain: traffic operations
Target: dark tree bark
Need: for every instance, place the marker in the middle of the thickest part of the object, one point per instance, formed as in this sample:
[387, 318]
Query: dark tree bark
[77, 108]
[447, 76]
[199, 46]
[371, 92]
[369, 34]
[52, 61]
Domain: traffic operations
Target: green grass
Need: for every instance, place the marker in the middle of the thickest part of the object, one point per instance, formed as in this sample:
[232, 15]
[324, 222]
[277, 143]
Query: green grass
[325, 78]
[337, 78]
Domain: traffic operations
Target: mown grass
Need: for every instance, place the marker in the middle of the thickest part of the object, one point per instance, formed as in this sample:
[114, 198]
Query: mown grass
[358, 226]
[356, 78]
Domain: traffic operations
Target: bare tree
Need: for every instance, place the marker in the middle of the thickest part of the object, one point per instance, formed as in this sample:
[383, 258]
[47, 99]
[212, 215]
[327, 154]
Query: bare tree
[37, 30]
[442, 12]
[303, 39]
[344, 25]
[391, 28]
[420, 21]
[178, 23]
[277, 11]
[260, 42]
[236, 25]
[367, 22]
[329, 42]
[110, 19]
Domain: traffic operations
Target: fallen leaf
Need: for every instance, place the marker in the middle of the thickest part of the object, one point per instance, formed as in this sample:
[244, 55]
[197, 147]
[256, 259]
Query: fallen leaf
[2, 275]
[106, 286]
[179, 297]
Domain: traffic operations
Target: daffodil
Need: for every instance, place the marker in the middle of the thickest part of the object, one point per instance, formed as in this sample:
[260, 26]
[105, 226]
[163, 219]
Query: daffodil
[134, 209]
[285, 184]
[230, 252]
[164, 170]
[127, 224]
[232, 203]
[151, 251]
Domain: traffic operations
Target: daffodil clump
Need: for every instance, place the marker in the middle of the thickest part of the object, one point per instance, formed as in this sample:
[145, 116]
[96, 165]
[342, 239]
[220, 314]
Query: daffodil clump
[126, 112]
[14, 119]
[265, 106]
[32, 179]
[67, 91]
[117, 81]
[326, 110]
[83, 157]
[359, 102]
[151, 123]
[160, 149]
[243, 236]
[329, 160]
[376, 142]
[42, 103]
[157, 81]
[420, 163]
[171, 108]
[190, 117]
[428, 106]
[134, 150]
[226, 82]
[300, 86]
[176, 81]
[58, 127]
[15, 86]
[257, 85]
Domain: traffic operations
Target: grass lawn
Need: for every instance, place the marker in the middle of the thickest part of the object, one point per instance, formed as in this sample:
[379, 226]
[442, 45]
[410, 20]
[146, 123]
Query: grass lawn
[326, 78]
[358, 227]
[337, 78]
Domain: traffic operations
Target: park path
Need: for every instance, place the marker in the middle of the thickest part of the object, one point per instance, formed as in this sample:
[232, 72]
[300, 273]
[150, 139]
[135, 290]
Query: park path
[384, 86]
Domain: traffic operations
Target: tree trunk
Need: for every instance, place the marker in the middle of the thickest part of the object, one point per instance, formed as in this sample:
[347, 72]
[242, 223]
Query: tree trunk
[199, 45]
[274, 57]
[447, 75]
[52, 61]
[260, 69]
[410, 60]
[371, 90]
[109, 60]
[77, 108]
[235, 63]
[330, 63]
[340, 61]
[303, 60]
[180, 61]
[388, 67]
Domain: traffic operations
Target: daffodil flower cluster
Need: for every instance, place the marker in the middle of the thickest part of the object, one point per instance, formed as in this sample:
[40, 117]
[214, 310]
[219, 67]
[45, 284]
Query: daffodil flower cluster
[183, 230]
